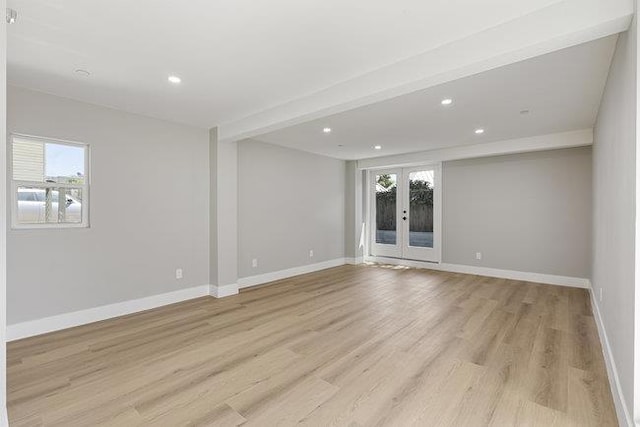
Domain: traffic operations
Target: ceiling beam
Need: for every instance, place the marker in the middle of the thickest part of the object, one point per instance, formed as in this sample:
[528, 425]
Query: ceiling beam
[561, 25]
[554, 141]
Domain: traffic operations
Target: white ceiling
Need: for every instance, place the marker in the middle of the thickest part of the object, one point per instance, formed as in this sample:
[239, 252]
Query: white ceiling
[236, 57]
[562, 91]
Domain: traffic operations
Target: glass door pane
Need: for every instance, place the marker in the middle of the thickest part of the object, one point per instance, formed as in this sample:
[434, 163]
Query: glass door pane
[420, 189]
[421, 186]
[385, 203]
[404, 213]
[386, 190]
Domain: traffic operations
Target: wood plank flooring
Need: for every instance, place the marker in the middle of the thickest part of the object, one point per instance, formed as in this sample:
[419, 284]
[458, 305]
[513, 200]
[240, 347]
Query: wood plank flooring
[350, 346]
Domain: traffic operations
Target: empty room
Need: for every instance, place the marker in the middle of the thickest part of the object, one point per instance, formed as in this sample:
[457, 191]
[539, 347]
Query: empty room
[319, 213]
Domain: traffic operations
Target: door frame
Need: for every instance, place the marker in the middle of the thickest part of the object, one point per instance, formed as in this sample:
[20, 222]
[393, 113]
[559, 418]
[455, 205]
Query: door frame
[384, 250]
[415, 253]
[401, 250]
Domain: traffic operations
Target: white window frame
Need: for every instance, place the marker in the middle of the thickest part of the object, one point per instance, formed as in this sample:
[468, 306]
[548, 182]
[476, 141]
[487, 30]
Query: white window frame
[19, 183]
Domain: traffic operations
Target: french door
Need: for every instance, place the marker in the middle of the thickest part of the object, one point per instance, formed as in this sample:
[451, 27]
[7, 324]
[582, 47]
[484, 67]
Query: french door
[404, 213]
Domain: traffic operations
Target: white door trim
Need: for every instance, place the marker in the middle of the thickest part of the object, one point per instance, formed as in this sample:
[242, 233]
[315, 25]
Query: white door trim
[401, 249]
[387, 250]
[417, 253]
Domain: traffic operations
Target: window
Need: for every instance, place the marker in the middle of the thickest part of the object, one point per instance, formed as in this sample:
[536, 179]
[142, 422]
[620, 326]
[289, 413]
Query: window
[50, 183]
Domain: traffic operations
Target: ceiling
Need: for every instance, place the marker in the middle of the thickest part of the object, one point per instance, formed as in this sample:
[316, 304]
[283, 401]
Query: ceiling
[374, 71]
[560, 90]
[235, 57]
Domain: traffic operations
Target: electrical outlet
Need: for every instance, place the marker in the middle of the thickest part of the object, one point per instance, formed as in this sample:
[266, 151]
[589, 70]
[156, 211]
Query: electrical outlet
[311, 253]
[178, 273]
[600, 294]
[254, 263]
[478, 255]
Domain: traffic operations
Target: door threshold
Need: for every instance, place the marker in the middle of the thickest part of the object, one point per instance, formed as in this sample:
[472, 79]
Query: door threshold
[402, 261]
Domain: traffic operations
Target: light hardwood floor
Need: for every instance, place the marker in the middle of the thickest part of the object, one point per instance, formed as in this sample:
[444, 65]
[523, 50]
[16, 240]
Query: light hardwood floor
[349, 346]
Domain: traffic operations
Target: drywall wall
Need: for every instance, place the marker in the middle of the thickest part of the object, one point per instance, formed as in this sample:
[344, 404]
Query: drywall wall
[355, 209]
[149, 211]
[3, 220]
[223, 219]
[525, 212]
[614, 177]
[289, 202]
[355, 212]
[213, 207]
[350, 242]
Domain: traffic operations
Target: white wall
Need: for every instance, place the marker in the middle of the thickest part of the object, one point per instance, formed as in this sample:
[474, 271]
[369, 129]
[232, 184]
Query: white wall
[614, 212]
[3, 220]
[223, 218]
[350, 203]
[149, 211]
[289, 202]
[525, 212]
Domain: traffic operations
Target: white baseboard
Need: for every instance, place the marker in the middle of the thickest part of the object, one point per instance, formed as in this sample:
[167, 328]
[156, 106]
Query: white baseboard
[82, 317]
[550, 279]
[354, 261]
[624, 416]
[260, 279]
[223, 291]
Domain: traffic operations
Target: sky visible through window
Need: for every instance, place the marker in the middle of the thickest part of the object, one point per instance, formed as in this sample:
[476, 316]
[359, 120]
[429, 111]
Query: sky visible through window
[422, 176]
[64, 160]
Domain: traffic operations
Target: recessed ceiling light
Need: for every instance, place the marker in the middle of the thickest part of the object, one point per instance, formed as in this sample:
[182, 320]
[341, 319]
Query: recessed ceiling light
[377, 147]
[326, 130]
[174, 79]
[446, 101]
[83, 73]
[479, 131]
